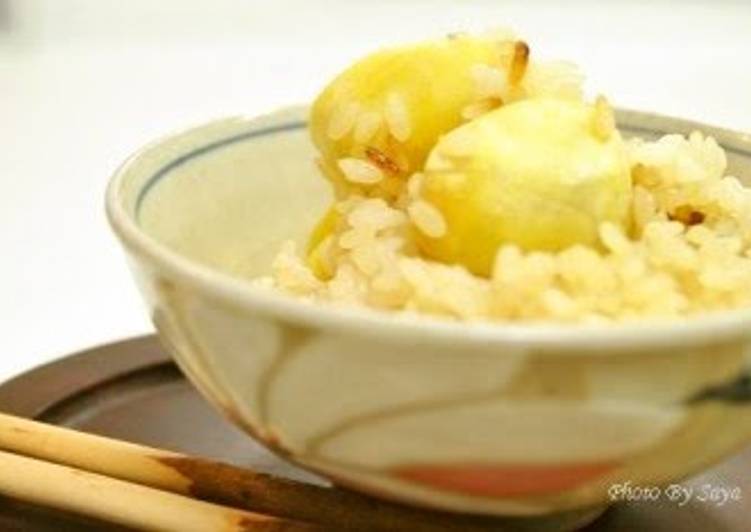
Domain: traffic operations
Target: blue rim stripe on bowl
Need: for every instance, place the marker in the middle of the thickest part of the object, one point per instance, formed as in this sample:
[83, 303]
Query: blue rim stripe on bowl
[167, 168]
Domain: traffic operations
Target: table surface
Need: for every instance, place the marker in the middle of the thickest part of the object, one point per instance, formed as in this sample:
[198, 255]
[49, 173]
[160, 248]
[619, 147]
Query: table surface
[83, 83]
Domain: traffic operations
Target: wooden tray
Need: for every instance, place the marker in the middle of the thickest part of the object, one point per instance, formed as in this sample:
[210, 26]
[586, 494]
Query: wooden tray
[131, 390]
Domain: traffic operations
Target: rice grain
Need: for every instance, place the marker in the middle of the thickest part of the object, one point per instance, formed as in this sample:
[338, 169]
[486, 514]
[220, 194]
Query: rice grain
[489, 81]
[397, 117]
[359, 171]
[427, 218]
[342, 120]
[367, 126]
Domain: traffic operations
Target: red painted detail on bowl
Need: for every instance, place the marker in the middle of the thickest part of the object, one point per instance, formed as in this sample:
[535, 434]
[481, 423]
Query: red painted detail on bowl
[512, 480]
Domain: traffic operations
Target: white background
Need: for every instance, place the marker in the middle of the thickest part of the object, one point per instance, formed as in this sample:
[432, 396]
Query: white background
[83, 83]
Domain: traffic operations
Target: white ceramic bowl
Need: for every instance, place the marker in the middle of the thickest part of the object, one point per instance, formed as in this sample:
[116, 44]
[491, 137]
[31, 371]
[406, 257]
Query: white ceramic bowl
[501, 419]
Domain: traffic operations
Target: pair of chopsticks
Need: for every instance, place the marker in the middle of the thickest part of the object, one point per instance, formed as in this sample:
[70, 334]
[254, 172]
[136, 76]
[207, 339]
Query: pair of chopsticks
[152, 489]
[114, 481]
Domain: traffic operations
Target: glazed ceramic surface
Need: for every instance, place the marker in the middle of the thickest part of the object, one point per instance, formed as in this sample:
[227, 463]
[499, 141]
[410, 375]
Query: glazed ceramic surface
[501, 419]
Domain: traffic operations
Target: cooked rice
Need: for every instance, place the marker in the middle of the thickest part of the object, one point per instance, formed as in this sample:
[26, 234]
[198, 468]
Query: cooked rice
[343, 120]
[490, 82]
[519, 62]
[427, 218]
[519, 78]
[672, 263]
[367, 126]
[397, 117]
[604, 119]
[561, 79]
[359, 171]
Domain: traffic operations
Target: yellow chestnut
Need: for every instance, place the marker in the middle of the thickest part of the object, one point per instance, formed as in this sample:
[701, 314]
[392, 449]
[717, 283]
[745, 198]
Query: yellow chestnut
[376, 122]
[540, 173]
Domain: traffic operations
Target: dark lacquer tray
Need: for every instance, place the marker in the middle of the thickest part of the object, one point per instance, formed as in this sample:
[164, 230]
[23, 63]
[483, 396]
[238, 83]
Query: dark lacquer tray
[131, 390]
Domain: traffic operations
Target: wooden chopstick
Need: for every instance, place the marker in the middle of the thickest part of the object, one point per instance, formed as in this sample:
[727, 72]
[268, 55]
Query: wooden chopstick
[124, 503]
[206, 480]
